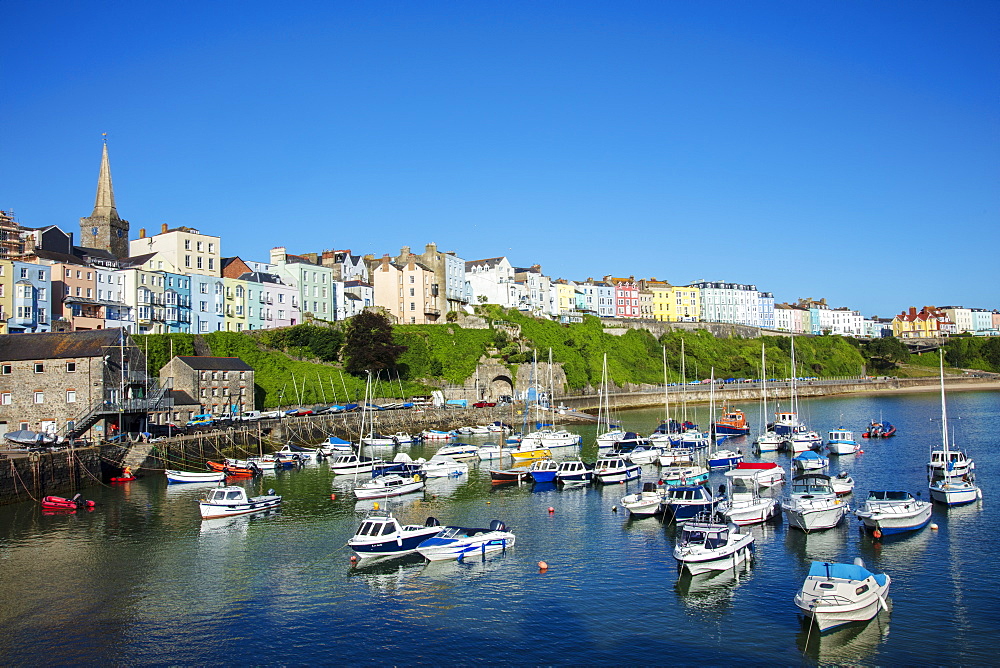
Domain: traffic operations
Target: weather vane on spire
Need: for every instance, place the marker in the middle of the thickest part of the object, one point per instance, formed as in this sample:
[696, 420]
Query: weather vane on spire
[105, 135]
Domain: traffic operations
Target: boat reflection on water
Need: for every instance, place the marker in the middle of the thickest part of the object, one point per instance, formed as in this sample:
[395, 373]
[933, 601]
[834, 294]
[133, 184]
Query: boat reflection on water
[237, 525]
[826, 545]
[392, 503]
[445, 488]
[387, 575]
[902, 549]
[848, 644]
[711, 591]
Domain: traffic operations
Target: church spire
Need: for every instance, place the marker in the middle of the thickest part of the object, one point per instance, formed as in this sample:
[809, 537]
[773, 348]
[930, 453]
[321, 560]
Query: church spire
[104, 203]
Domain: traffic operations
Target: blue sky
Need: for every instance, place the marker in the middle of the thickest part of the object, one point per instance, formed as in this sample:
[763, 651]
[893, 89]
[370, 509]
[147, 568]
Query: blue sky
[846, 150]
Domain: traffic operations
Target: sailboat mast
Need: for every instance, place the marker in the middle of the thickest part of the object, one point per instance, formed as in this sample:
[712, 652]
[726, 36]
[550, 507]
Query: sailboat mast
[666, 389]
[763, 389]
[944, 411]
[684, 403]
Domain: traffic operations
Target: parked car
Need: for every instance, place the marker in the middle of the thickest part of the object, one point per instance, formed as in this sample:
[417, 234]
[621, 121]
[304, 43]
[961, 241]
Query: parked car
[484, 404]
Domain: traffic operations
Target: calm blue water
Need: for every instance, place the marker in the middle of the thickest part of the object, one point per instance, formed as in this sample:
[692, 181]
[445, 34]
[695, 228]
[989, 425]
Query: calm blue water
[143, 580]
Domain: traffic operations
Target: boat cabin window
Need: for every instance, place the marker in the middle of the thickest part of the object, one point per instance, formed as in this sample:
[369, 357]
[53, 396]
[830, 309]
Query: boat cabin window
[365, 529]
[861, 590]
[387, 528]
[218, 496]
[235, 494]
[716, 540]
[827, 585]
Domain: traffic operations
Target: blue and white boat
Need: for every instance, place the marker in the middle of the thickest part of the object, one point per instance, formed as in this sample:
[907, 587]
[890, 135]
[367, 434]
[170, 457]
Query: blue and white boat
[461, 542]
[381, 535]
[684, 503]
[389, 484]
[836, 594]
[695, 440]
[459, 451]
[841, 442]
[543, 470]
[574, 471]
[957, 485]
[615, 469]
[809, 461]
[891, 511]
[724, 459]
[335, 446]
[683, 475]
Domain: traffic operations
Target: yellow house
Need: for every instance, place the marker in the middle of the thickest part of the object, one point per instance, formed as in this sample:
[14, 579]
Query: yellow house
[565, 295]
[673, 303]
[6, 293]
[929, 322]
[237, 303]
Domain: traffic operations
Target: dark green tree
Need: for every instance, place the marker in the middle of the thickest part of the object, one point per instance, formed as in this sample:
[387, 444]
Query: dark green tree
[368, 344]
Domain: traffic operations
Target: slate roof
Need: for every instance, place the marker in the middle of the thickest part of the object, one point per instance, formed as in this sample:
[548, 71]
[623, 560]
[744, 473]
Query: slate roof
[57, 345]
[182, 398]
[215, 363]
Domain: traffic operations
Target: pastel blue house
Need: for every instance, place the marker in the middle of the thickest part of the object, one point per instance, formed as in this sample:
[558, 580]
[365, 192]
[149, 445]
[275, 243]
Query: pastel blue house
[32, 307]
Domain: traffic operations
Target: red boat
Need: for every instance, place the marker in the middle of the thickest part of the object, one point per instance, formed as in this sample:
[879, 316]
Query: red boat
[62, 503]
[120, 480]
[234, 471]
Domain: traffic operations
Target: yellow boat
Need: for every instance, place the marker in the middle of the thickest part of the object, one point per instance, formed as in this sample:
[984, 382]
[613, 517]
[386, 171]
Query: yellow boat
[525, 455]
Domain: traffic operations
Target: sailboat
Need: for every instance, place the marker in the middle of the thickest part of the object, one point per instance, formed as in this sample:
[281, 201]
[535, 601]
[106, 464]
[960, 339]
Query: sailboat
[770, 440]
[952, 488]
[614, 433]
[351, 463]
[550, 437]
[797, 436]
[667, 433]
[719, 459]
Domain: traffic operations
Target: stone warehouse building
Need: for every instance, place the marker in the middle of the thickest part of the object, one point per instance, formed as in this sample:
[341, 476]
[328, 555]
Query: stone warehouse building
[222, 385]
[71, 383]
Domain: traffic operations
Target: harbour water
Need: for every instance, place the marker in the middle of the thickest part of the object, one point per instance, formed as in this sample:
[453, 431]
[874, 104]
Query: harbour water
[142, 580]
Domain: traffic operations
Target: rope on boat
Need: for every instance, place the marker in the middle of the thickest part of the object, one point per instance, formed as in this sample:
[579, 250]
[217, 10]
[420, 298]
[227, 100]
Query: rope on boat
[18, 477]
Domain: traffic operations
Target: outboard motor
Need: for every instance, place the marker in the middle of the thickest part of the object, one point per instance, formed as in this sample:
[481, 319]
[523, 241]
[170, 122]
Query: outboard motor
[497, 525]
[432, 522]
[270, 492]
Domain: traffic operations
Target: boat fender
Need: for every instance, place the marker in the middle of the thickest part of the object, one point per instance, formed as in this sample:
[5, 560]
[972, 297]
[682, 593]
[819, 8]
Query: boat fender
[877, 533]
[333, 497]
[416, 477]
[542, 567]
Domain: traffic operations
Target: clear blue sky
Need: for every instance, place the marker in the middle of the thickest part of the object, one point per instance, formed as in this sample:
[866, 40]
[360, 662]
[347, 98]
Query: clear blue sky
[847, 150]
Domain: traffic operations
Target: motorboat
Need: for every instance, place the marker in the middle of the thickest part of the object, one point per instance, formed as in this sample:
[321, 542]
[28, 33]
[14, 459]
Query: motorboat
[231, 471]
[644, 503]
[458, 451]
[769, 441]
[543, 470]
[812, 504]
[644, 454]
[615, 469]
[835, 594]
[381, 535]
[683, 475]
[266, 463]
[841, 442]
[891, 511]
[802, 440]
[744, 504]
[724, 459]
[842, 483]
[350, 464]
[441, 466]
[809, 461]
[476, 430]
[733, 422]
[293, 449]
[610, 438]
[574, 471]
[462, 542]
[766, 474]
[879, 430]
[389, 484]
[62, 503]
[695, 440]
[229, 501]
[435, 435]
[551, 438]
[952, 478]
[491, 451]
[334, 446]
[514, 474]
[705, 545]
[526, 454]
[194, 476]
[676, 456]
[684, 503]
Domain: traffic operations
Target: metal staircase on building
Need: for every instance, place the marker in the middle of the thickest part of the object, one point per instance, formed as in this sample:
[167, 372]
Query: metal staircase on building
[156, 399]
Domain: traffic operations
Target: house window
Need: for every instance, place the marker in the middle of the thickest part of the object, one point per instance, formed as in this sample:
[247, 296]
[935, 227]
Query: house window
[211, 247]
[39, 397]
[199, 246]
[5, 399]
[187, 260]
[70, 367]
[412, 278]
[5, 369]
[39, 367]
[41, 274]
[204, 392]
[70, 396]
[187, 244]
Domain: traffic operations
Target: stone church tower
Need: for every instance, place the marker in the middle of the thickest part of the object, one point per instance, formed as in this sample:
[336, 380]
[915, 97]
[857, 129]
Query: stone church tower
[103, 229]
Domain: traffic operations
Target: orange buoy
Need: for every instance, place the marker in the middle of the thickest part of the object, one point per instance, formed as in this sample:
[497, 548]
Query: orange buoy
[487, 503]
[877, 533]
[354, 559]
[375, 505]
[542, 567]
[934, 527]
[551, 510]
[621, 482]
[333, 497]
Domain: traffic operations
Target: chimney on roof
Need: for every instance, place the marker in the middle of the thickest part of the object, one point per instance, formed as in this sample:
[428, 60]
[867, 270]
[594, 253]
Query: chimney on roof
[404, 251]
[913, 311]
[142, 232]
[163, 228]
[431, 248]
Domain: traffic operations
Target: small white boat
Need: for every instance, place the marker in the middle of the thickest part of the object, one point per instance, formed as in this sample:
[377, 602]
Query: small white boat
[549, 438]
[381, 535]
[334, 446]
[769, 441]
[766, 474]
[676, 457]
[956, 485]
[954, 463]
[229, 501]
[442, 466]
[458, 451]
[842, 484]
[744, 504]
[683, 475]
[491, 451]
[265, 463]
[705, 546]
[609, 438]
[390, 484]
[435, 435]
[812, 504]
[835, 594]
[801, 441]
[477, 430]
[724, 459]
[809, 461]
[645, 503]
[615, 469]
[462, 542]
[194, 476]
[644, 454]
[350, 464]
[291, 449]
[891, 511]
[841, 442]
[955, 491]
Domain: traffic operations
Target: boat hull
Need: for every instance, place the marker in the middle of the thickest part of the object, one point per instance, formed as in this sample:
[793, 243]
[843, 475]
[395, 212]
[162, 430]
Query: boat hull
[618, 475]
[194, 476]
[435, 549]
[751, 512]
[696, 564]
[955, 494]
[815, 518]
[210, 511]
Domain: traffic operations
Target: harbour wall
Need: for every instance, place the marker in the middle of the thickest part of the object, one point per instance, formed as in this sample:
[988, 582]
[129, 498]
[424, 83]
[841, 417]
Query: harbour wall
[27, 476]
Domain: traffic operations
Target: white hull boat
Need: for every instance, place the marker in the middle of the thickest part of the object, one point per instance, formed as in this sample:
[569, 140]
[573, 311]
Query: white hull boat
[836, 594]
[645, 503]
[744, 505]
[813, 505]
[707, 546]
[462, 542]
[842, 484]
[677, 457]
[809, 461]
[459, 451]
[841, 442]
[440, 466]
[381, 535]
[769, 442]
[231, 501]
[435, 435]
[609, 470]
[194, 476]
[954, 491]
[390, 484]
[890, 512]
[351, 464]
[956, 485]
